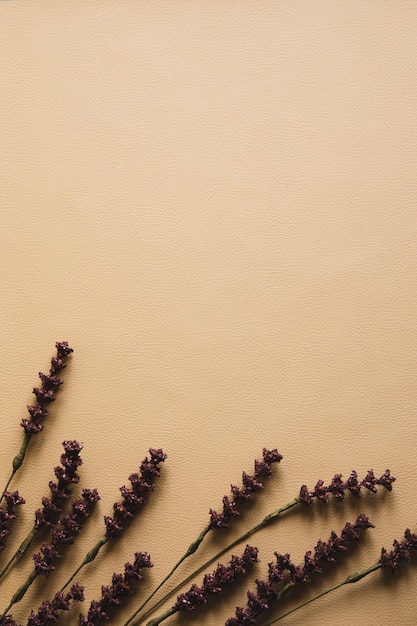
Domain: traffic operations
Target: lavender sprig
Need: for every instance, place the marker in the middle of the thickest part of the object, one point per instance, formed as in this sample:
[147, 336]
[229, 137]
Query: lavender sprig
[47, 613]
[388, 560]
[45, 394]
[223, 576]
[337, 488]
[133, 499]
[48, 515]
[240, 495]
[8, 514]
[65, 534]
[112, 596]
[286, 575]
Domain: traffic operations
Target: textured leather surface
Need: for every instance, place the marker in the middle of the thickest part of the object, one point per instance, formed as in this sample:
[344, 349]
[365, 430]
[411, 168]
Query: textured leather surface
[215, 204]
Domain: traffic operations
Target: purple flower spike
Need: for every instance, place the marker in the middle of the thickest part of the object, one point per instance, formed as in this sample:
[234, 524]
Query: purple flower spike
[47, 392]
[338, 487]
[286, 574]
[112, 596]
[401, 551]
[66, 532]
[251, 484]
[214, 583]
[48, 611]
[67, 475]
[8, 514]
[133, 498]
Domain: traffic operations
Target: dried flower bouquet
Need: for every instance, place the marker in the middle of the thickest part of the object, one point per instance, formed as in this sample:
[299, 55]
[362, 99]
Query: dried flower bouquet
[54, 528]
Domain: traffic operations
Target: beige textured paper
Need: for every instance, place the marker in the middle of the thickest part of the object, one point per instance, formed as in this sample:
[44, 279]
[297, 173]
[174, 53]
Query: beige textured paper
[215, 204]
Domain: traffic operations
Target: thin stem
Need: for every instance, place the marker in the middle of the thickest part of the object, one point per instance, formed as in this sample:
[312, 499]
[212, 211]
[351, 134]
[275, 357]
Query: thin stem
[353, 578]
[266, 520]
[20, 551]
[90, 556]
[20, 593]
[17, 462]
[193, 548]
[162, 617]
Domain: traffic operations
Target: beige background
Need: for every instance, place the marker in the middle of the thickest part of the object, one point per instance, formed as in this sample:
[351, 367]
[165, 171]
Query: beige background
[214, 203]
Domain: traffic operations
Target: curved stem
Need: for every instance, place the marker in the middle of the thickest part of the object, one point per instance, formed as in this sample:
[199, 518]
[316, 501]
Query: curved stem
[17, 462]
[90, 556]
[21, 550]
[20, 593]
[193, 547]
[353, 578]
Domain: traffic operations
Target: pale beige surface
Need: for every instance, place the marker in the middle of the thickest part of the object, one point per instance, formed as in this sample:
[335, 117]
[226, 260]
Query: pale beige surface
[215, 204]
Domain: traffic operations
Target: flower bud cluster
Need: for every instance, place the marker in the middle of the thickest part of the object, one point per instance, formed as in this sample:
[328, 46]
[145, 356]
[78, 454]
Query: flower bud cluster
[133, 498]
[45, 394]
[7, 514]
[223, 576]
[112, 596]
[401, 551]
[48, 515]
[66, 532]
[251, 484]
[339, 487]
[283, 572]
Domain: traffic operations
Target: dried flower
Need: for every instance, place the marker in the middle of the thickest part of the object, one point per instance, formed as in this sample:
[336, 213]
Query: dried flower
[338, 487]
[388, 560]
[285, 573]
[251, 484]
[133, 498]
[45, 394]
[48, 612]
[8, 514]
[223, 576]
[112, 596]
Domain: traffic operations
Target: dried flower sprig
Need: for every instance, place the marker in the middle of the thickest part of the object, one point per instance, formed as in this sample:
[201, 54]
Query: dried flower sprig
[48, 515]
[112, 596]
[285, 574]
[240, 495]
[223, 576]
[48, 612]
[45, 394]
[66, 532]
[388, 560]
[133, 499]
[337, 488]
[8, 514]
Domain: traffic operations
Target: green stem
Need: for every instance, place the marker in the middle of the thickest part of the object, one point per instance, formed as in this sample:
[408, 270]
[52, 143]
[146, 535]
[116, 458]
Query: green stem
[266, 520]
[353, 578]
[20, 592]
[17, 462]
[90, 556]
[192, 548]
[21, 550]
[161, 618]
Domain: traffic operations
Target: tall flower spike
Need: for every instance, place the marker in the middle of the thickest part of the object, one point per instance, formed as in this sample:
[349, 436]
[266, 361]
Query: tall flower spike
[142, 484]
[48, 612]
[69, 527]
[339, 487]
[305, 497]
[8, 514]
[45, 394]
[223, 576]
[388, 560]
[223, 519]
[286, 574]
[112, 596]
